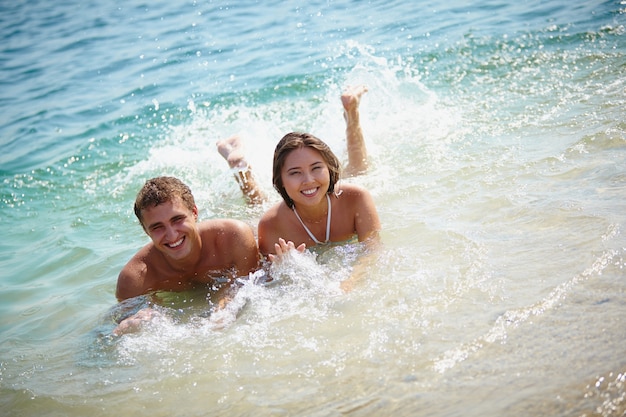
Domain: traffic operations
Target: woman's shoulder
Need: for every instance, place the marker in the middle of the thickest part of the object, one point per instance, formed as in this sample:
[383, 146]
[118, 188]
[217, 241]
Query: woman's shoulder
[350, 187]
[272, 225]
[274, 213]
[351, 191]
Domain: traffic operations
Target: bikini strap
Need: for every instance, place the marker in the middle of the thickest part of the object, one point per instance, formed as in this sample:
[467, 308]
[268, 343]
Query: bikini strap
[330, 209]
[306, 229]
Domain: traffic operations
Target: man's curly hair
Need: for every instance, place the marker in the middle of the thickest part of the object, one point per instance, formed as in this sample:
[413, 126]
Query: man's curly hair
[160, 190]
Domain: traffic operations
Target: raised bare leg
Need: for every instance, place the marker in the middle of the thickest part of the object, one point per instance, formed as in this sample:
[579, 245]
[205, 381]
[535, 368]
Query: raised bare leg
[357, 152]
[232, 150]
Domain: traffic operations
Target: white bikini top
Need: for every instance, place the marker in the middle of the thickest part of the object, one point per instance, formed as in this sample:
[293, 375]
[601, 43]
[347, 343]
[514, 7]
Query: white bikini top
[327, 224]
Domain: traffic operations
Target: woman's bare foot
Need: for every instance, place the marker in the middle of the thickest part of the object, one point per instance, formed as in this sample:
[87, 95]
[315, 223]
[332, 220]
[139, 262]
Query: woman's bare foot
[351, 97]
[232, 150]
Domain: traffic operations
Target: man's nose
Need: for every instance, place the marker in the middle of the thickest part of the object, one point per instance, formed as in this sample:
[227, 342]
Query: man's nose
[170, 232]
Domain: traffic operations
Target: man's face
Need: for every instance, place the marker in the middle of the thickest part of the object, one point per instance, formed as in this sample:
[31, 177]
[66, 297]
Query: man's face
[172, 228]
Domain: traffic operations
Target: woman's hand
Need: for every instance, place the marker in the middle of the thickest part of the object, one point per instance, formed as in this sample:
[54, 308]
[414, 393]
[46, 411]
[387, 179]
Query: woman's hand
[282, 248]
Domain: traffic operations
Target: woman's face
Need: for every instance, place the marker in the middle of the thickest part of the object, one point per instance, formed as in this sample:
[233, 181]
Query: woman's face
[305, 176]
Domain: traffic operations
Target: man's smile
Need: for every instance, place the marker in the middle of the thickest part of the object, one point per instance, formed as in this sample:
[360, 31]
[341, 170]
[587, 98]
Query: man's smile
[175, 244]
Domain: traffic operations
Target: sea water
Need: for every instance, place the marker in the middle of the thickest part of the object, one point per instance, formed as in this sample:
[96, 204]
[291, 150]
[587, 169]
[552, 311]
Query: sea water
[497, 136]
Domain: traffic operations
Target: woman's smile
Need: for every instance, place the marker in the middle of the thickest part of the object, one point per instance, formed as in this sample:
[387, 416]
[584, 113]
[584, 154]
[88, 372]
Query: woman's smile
[310, 191]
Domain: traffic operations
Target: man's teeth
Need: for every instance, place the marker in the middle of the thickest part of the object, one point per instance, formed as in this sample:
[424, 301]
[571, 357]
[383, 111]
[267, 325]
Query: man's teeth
[176, 244]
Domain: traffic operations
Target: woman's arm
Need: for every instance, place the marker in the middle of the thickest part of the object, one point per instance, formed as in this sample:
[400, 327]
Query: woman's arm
[366, 220]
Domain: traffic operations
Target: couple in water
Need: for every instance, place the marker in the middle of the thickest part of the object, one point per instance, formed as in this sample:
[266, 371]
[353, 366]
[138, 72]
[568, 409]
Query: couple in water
[184, 253]
[315, 209]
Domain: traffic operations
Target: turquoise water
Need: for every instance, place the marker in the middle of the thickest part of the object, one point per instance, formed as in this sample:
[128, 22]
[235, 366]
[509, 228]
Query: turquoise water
[498, 141]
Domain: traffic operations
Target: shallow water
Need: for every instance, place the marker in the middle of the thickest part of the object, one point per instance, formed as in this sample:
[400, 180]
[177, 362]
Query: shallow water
[498, 142]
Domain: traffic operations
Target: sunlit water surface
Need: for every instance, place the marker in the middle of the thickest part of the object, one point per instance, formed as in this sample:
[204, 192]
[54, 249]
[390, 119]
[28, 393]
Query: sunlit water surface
[498, 145]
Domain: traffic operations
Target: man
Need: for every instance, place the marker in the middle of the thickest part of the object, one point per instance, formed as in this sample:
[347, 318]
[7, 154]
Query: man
[183, 253]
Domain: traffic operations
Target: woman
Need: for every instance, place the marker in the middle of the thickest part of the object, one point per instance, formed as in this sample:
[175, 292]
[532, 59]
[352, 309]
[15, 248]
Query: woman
[315, 210]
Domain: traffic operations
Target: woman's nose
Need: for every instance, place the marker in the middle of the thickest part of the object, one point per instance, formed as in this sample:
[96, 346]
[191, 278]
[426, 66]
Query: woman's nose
[308, 177]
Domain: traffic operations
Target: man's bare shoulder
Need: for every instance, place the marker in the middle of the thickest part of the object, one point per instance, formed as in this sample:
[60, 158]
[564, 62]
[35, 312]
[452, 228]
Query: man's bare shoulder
[219, 228]
[227, 237]
[230, 243]
[133, 277]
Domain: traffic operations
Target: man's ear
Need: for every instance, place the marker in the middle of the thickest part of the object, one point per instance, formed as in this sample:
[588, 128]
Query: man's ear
[195, 212]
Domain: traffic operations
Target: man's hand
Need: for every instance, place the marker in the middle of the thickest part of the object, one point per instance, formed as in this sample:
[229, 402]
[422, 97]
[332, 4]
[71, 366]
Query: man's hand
[135, 322]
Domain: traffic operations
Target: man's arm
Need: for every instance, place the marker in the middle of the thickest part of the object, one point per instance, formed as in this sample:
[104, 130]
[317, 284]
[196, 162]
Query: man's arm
[131, 283]
[131, 280]
[125, 287]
